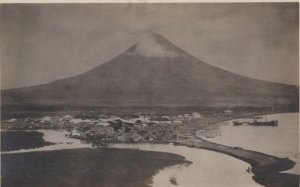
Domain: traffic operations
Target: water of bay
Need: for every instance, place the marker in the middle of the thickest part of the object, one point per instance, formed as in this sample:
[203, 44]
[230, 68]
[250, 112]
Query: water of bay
[208, 168]
[281, 141]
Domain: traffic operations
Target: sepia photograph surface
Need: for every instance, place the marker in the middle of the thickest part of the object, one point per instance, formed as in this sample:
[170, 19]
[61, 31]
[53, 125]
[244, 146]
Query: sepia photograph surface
[150, 94]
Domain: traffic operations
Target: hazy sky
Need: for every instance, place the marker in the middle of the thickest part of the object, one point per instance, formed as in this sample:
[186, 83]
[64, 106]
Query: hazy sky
[45, 42]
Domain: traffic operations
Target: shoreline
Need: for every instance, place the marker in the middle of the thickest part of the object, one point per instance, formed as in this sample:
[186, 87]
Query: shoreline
[266, 169]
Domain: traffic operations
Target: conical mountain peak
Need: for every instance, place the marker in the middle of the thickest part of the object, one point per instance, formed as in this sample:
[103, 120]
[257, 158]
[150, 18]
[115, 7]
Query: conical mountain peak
[155, 72]
[154, 45]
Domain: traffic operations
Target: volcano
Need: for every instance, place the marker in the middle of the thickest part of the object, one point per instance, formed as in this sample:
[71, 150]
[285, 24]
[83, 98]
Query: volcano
[155, 72]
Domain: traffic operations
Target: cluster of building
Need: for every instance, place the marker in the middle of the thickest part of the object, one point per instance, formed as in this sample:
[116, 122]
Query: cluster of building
[111, 128]
[138, 129]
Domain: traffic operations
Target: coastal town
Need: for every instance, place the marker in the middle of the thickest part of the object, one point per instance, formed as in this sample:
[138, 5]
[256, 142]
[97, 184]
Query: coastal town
[101, 129]
[186, 129]
[190, 129]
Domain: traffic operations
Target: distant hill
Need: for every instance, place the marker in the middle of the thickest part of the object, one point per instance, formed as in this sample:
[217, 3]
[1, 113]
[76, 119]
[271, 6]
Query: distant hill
[155, 72]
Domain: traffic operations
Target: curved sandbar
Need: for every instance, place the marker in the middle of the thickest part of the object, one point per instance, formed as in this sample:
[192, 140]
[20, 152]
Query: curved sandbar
[265, 167]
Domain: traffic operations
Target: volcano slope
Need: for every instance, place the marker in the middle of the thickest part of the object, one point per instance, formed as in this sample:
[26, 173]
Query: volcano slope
[155, 72]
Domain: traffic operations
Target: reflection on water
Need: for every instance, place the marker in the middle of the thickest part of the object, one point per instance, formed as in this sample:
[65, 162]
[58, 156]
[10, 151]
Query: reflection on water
[209, 132]
[281, 141]
[208, 168]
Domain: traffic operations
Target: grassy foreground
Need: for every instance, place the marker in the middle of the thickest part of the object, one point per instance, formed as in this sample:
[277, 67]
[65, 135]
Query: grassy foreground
[105, 167]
